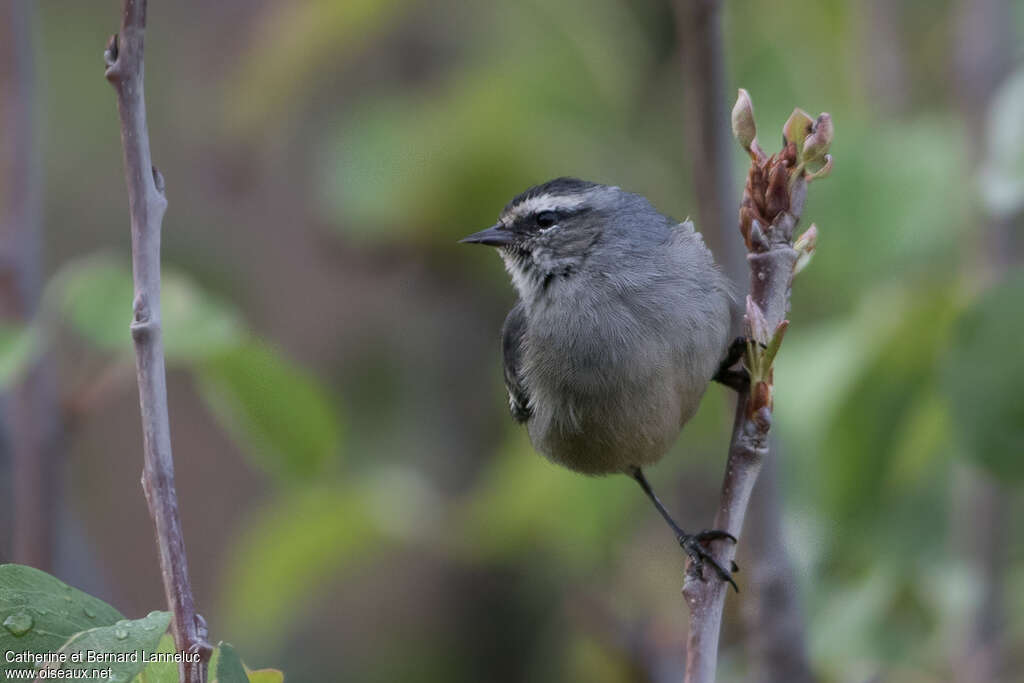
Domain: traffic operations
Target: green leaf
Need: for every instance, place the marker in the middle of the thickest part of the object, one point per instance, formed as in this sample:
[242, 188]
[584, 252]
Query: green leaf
[983, 377]
[276, 408]
[161, 671]
[266, 676]
[16, 347]
[282, 560]
[96, 295]
[40, 612]
[229, 666]
[136, 640]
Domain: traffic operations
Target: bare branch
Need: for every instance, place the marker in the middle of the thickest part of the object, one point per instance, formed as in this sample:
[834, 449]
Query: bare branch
[773, 201]
[147, 203]
[709, 149]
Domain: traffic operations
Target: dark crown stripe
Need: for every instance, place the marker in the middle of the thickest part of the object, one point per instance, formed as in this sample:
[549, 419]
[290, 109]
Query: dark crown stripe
[556, 187]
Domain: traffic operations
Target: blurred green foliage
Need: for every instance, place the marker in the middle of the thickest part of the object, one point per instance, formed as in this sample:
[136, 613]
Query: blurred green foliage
[983, 377]
[96, 293]
[406, 125]
[281, 412]
[16, 345]
[298, 543]
[278, 411]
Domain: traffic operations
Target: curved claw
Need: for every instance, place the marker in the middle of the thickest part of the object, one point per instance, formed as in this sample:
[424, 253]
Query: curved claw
[709, 535]
[694, 545]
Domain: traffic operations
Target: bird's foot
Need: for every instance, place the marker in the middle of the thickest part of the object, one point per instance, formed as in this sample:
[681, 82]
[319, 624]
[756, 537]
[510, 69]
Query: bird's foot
[737, 379]
[695, 546]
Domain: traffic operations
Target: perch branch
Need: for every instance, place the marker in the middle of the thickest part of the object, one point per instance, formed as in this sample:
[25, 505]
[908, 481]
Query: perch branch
[147, 203]
[770, 578]
[773, 202]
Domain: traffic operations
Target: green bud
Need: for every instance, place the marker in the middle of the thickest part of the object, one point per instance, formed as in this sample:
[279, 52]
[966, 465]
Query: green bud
[817, 144]
[805, 245]
[743, 126]
[797, 128]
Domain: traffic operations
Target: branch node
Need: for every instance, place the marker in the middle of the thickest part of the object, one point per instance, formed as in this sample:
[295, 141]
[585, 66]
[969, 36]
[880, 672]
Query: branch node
[140, 309]
[158, 180]
[142, 325]
[110, 55]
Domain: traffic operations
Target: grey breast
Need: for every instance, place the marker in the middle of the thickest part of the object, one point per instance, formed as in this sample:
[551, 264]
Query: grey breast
[613, 363]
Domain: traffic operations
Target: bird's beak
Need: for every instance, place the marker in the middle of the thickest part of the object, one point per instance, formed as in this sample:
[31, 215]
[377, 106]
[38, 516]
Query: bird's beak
[495, 236]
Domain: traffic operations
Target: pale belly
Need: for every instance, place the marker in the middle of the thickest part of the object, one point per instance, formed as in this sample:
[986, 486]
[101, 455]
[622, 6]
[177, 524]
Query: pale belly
[615, 421]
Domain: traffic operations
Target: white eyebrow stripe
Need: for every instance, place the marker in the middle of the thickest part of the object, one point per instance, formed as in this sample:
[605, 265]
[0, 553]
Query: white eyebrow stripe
[547, 202]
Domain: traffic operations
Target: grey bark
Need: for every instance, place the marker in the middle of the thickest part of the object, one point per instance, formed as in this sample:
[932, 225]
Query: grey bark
[771, 269]
[710, 148]
[147, 203]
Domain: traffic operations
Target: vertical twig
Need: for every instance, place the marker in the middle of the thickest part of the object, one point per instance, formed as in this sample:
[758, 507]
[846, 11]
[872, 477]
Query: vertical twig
[774, 604]
[30, 408]
[772, 204]
[147, 203]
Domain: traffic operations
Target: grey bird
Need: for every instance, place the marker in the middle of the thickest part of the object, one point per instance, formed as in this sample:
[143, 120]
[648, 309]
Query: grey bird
[622, 321]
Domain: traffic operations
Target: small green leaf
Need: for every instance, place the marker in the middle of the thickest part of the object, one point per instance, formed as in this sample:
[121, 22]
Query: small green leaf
[797, 128]
[40, 612]
[123, 647]
[983, 376]
[266, 676]
[273, 406]
[229, 666]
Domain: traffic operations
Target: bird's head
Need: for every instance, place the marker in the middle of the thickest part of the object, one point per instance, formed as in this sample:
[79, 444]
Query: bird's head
[552, 229]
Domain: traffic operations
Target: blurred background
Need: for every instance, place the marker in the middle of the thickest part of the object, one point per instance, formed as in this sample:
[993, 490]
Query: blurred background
[357, 504]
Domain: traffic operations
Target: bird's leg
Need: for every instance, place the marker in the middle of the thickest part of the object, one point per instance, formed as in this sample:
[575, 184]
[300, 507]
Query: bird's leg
[736, 379]
[693, 544]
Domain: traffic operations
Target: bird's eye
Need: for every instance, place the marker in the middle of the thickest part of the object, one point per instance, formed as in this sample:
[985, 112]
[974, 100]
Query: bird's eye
[545, 219]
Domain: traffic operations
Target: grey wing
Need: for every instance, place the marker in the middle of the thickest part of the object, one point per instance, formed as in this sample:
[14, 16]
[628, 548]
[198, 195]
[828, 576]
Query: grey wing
[512, 334]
